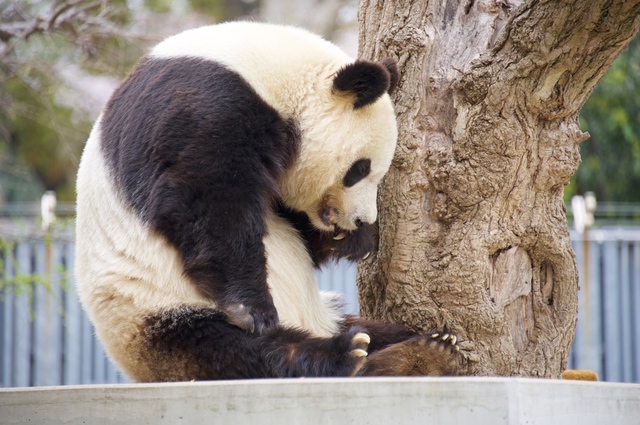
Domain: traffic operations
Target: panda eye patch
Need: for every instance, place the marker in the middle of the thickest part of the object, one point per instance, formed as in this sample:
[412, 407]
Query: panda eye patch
[358, 170]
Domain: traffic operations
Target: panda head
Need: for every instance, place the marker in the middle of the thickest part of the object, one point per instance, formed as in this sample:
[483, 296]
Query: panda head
[348, 138]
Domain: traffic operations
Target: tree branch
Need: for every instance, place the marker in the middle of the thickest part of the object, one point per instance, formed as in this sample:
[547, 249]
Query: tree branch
[67, 12]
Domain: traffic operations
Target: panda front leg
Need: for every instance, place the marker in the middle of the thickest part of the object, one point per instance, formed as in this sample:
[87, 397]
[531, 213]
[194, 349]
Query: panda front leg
[326, 246]
[199, 344]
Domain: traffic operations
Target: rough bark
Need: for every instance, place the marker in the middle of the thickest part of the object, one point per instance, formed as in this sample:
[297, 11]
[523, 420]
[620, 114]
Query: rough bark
[472, 228]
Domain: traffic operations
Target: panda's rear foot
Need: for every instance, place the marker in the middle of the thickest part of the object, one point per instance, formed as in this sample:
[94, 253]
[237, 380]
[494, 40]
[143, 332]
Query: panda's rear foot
[434, 354]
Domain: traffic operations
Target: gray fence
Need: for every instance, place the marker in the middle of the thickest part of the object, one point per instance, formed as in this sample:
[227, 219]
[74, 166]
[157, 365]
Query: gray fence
[607, 338]
[45, 338]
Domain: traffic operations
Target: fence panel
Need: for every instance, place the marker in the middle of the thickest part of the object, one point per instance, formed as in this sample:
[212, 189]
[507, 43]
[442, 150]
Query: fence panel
[46, 339]
[635, 311]
[340, 277]
[7, 313]
[48, 320]
[73, 317]
[589, 329]
[626, 319]
[608, 318]
[611, 318]
[22, 335]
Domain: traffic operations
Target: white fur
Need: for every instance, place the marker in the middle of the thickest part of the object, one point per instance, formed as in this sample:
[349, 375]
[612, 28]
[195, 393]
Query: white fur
[292, 282]
[276, 60]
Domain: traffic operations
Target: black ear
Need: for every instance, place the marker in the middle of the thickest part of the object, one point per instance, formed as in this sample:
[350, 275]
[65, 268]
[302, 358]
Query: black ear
[392, 67]
[366, 81]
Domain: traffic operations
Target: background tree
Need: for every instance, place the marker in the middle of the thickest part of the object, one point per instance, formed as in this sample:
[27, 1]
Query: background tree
[42, 131]
[472, 227]
[611, 156]
[60, 60]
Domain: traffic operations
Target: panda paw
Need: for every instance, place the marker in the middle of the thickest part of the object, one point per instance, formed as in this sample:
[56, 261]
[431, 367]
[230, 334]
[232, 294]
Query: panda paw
[252, 319]
[355, 245]
[443, 341]
[434, 354]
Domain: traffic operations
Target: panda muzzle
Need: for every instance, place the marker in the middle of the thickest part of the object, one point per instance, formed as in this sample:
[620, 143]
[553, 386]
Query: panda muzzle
[329, 216]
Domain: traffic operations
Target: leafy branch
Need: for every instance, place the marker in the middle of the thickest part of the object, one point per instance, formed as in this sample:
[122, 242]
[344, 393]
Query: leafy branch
[76, 17]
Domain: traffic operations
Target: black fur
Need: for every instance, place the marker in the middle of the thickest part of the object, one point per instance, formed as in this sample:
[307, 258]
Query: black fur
[394, 75]
[358, 170]
[199, 344]
[367, 81]
[178, 133]
[322, 246]
[189, 343]
[382, 334]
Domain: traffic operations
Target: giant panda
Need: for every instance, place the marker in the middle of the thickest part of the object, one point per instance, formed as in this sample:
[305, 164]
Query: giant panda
[232, 161]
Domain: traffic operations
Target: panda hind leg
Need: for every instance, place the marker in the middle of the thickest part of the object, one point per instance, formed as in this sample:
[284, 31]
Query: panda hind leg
[199, 344]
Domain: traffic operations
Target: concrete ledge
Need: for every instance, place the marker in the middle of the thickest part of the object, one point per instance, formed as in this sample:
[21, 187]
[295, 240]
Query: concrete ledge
[387, 401]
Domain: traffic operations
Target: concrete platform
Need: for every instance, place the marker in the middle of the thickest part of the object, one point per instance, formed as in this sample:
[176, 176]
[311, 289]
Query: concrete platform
[388, 401]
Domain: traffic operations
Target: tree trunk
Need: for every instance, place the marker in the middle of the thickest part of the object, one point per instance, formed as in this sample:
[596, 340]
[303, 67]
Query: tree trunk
[472, 228]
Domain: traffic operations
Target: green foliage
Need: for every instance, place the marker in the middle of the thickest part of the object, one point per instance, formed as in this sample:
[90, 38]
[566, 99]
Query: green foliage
[19, 283]
[18, 277]
[158, 6]
[224, 10]
[611, 157]
[41, 142]
[41, 139]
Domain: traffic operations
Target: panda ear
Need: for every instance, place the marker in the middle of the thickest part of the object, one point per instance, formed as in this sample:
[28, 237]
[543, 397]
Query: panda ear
[366, 81]
[392, 67]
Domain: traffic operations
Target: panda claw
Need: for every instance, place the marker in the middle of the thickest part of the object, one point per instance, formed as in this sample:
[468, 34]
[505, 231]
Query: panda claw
[340, 236]
[366, 255]
[359, 352]
[361, 338]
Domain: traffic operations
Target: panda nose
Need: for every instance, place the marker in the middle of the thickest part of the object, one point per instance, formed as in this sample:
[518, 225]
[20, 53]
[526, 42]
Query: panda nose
[359, 222]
